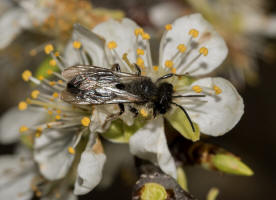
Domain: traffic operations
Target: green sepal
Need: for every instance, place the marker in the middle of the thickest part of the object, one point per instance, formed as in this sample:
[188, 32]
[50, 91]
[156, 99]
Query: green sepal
[231, 164]
[182, 178]
[153, 191]
[119, 132]
[180, 122]
[27, 140]
[212, 194]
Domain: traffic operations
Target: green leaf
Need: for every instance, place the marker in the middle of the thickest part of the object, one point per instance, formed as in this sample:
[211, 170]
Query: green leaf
[231, 164]
[120, 132]
[212, 194]
[181, 178]
[44, 67]
[153, 191]
[180, 122]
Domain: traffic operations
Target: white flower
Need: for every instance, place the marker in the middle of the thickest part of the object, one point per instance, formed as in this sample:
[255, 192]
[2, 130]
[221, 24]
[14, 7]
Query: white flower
[189, 46]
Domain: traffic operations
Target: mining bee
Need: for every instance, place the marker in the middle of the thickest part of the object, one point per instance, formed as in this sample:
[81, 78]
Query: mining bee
[91, 85]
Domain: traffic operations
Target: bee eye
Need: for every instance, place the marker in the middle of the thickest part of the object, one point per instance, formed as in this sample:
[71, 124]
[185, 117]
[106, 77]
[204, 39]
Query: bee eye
[120, 86]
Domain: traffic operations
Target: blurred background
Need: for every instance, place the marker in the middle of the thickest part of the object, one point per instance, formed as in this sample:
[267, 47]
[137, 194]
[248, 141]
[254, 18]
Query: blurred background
[249, 28]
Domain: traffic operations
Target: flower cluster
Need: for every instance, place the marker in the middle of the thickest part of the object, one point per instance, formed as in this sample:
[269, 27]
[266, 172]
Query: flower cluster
[67, 136]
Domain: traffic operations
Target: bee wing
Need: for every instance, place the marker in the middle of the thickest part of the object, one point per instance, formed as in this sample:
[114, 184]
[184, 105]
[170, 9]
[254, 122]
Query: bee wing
[96, 85]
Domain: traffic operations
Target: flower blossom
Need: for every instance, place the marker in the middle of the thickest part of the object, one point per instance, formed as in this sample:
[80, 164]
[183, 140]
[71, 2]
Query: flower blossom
[189, 46]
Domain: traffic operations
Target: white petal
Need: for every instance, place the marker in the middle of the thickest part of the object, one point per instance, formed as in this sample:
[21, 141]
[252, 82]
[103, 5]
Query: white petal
[217, 50]
[13, 119]
[90, 168]
[10, 25]
[51, 152]
[122, 33]
[220, 113]
[91, 43]
[16, 175]
[150, 143]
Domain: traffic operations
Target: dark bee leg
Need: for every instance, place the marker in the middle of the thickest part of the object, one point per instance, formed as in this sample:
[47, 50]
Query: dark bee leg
[134, 111]
[116, 67]
[138, 69]
[187, 115]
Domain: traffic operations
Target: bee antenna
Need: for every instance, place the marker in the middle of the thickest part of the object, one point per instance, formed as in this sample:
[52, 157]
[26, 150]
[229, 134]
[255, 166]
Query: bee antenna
[187, 115]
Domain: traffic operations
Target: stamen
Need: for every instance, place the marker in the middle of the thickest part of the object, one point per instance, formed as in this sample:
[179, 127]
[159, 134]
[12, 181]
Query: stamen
[71, 150]
[168, 27]
[77, 44]
[140, 62]
[48, 48]
[204, 51]
[52, 63]
[169, 63]
[217, 89]
[194, 33]
[22, 105]
[55, 95]
[125, 58]
[197, 88]
[112, 45]
[182, 48]
[145, 36]
[26, 75]
[38, 132]
[140, 51]
[138, 31]
[144, 112]
[58, 117]
[173, 70]
[35, 94]
[49, 72]
[40, 78]
[23, 129]
[155, 68]
[85, 121]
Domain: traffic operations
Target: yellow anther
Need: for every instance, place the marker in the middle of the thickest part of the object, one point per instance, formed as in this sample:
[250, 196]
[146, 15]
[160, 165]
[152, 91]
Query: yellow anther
[57, 54]
[23, 129]
[48, 48]
[204, 51]
[144, 112]
[55, 95]
[168, 27]
[140, 51]
[173, 70]
[182, 48]
[40, 78]
[22, 105]
[60, 81]
[26, 75]
[58, 111]
[58, 117]
[169, 63]
[140, 62]
[38, 132]
[49, 72]
[138, 31]
[52, 63]
[155, 68]
[71, 150]
[52, 83]
[77, 44]
[145, 36]
[35, 94]
[197, 88]
[112, 45]
[50, 112]
[193, 33]
[217, 89]
[28, 100]
[85, 121]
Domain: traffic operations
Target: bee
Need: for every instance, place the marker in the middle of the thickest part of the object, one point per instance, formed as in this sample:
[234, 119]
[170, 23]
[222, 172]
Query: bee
[92, 85]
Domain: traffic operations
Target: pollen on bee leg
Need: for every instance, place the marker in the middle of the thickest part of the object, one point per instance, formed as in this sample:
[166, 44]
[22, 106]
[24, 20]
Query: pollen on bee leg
[26, 75]
[194, 33]
[144, 112]
[35, 94]
[203, 51]
[48, 49]
[22, 105]
[85, 121]
[71, 150]
[77, 44]
[217, 89]
[197, 88]
[23, 129]
[169, 63]
[112, 45]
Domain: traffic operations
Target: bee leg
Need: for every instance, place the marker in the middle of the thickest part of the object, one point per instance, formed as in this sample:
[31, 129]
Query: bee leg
[116, 67]
[114, 116]
[187, 115]
[138, 69]
[134, 111]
